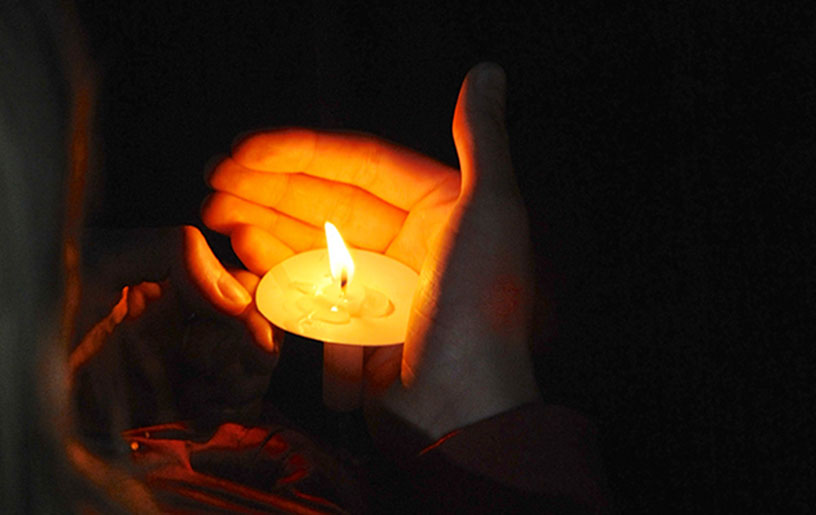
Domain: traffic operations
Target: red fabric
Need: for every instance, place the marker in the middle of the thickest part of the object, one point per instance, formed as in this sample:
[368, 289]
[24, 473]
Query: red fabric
[236, 469]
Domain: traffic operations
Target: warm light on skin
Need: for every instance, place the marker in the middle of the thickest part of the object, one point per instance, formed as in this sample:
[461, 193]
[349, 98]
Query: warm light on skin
[342, 266]
[398, 198]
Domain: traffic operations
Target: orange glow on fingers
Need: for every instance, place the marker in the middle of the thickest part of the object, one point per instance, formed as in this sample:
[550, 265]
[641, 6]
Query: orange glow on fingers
[264, 188]
[281, 150]
[247, 279]
[224, 213]
[136, 303]
[257, 249]
[395, 174]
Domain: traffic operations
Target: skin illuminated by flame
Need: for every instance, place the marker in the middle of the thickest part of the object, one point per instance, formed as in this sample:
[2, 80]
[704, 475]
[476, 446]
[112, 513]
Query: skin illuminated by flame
[342, 266]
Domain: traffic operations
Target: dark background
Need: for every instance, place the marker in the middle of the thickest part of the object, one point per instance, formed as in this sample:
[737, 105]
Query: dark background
[665, 155]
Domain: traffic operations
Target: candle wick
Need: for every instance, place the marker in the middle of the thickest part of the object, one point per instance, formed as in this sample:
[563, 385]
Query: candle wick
[343, 280]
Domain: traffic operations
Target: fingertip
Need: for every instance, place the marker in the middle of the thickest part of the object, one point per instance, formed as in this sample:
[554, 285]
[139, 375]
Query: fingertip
[211, 166]
[205, 210]
[216, 210]
[490, 80]
[151, 290]
[120, 310]
[135, 303]
[479, 131]
[192, 237]
[241, 138]
[482, 100]
[262, 331]
[263, 352]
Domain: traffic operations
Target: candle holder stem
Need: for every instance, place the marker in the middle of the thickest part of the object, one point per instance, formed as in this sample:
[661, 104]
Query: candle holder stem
[342, 376]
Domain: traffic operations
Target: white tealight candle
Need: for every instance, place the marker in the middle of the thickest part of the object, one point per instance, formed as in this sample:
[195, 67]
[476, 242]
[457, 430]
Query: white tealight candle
[346, 299]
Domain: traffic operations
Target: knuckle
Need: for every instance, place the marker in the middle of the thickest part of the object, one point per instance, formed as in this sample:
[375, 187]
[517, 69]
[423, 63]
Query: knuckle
[366, 174]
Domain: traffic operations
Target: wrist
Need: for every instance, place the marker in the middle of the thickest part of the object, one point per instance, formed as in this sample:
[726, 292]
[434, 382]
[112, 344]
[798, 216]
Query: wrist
[440, 403]
[476, 401]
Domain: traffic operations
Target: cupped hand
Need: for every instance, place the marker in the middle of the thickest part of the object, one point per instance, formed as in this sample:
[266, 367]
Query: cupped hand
[465, 357]
[275, 192]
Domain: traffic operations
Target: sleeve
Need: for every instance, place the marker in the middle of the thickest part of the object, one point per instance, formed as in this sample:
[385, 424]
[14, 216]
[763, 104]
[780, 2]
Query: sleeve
[538, 458]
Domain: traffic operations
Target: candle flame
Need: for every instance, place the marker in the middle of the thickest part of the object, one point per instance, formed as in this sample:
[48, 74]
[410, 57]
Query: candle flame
[342, 266]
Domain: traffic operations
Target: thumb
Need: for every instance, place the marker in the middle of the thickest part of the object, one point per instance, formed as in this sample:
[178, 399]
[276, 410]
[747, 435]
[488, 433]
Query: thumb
[479, 132]
[209, 276]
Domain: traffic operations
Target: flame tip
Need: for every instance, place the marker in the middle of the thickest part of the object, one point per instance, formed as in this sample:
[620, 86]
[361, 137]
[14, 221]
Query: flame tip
[340, 261]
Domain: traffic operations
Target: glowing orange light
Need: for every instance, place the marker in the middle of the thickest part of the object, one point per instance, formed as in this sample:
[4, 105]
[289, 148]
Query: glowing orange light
[340, 262]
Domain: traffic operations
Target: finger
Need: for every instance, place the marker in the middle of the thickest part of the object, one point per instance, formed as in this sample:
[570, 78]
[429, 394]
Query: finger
[224, 213]
[480, 135]
[258, 250]
[421, 227]
[94, 340]
[135, 303]
[208, 275]
[247, 279]
[139, 296]
[382, 368]
[263, 333]
[259, 327]
[359, 215]
[397, 175]
[151, 290]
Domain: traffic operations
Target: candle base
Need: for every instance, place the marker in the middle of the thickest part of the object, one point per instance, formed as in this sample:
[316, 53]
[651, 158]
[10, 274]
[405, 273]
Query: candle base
[342, 376]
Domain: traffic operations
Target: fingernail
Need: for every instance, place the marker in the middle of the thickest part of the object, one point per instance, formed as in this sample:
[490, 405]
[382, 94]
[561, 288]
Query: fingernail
[233, 291]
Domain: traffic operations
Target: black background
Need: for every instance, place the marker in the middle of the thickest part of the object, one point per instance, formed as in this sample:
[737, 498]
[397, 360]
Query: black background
[665, 155]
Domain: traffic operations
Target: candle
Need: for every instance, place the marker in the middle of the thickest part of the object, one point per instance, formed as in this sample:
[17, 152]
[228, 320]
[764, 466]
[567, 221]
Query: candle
[347, 299]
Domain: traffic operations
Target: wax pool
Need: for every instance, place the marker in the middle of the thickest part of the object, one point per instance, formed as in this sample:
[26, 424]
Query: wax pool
[298, 295]
[327, 301]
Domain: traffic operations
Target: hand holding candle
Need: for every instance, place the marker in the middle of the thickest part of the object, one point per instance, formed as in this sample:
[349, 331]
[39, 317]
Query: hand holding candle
[465, 355]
